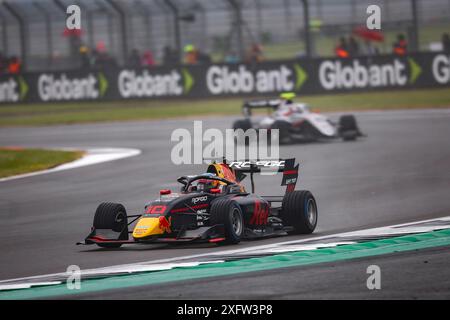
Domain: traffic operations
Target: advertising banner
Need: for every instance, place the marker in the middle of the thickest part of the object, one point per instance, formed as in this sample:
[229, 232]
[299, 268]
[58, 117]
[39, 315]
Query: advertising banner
[303, 76]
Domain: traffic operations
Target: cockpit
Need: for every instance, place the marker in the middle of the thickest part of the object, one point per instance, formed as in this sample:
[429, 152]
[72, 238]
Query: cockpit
[208, 183]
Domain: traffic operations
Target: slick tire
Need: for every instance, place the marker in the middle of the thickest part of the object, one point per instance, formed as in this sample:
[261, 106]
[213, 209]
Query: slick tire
[284, 131]
[299, 210]
[229, 214]
[112, 216]
[243, 124]
[348, 128]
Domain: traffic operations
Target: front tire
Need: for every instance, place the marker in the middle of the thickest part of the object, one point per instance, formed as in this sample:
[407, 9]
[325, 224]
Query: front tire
[243, 124]
[299, 210]
[229, 214]
[284, 128]
[112, 216]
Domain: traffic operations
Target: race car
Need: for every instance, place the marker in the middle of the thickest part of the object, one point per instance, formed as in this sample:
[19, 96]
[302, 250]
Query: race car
[212, 207]
[296, 122]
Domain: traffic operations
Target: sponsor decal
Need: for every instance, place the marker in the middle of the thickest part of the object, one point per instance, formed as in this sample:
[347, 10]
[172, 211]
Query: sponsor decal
[13, 89]
[189, 209]
[158, 209]
[414, 70]
[55, 88]
[335, 75]
[164, 224]
[260, 214]
[441, 69]
[23, 88]
[291, 181]
[247, 164]
[140, 229]
[188, 81]
[301, 76]
[223, 80]
[8, 91]
[102, 84]
[199, 199]
[135, 84]
[200, 218]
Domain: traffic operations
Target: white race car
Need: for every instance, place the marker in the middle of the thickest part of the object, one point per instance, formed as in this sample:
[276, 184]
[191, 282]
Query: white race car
[296, 122]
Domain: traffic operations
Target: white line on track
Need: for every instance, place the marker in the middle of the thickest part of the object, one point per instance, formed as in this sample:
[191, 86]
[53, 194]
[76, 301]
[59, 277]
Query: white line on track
[92, 156]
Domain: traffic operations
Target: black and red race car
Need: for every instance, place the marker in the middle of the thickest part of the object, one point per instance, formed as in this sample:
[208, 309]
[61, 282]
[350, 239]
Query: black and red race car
[212, 207]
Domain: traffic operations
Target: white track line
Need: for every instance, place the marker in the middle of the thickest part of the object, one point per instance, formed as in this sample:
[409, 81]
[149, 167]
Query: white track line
[92, 156]
[216, 257]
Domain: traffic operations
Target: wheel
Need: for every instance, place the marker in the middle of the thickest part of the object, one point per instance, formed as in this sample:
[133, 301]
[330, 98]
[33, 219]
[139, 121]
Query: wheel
[112, 216]
[229, 214]
[243, 124]
[348, 128]
[299, 210]
[284, 131]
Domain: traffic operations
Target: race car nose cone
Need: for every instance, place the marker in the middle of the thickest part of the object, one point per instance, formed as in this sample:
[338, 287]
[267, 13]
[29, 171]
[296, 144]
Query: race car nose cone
[147, 227]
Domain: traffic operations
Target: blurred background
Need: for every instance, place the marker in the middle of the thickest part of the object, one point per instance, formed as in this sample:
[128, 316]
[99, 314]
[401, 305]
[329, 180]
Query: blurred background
[135, 33]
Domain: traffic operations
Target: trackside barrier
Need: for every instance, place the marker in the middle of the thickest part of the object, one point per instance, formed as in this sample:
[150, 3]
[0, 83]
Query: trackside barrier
[304, 76]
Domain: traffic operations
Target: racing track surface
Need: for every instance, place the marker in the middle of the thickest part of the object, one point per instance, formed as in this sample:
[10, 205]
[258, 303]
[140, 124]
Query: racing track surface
[400, 173]
[427, 276]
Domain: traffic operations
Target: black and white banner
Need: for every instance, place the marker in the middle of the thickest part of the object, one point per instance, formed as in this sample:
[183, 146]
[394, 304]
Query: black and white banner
[314, 76]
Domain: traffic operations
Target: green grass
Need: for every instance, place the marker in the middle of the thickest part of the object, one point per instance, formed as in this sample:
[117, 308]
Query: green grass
[382, 100]
[14, 161]
[88, 112]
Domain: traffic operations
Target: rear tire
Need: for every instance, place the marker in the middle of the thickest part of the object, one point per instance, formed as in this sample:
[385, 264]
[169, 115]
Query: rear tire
[229, 214]
[299, 210]
[348, 128]
[112, 216]
[243, 124]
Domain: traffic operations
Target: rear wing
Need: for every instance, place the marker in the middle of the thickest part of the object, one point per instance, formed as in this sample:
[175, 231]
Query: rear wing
[259, 104]
[287, 167]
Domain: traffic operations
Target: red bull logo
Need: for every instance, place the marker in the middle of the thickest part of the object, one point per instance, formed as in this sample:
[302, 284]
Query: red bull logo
[165, 224]
[260, 214]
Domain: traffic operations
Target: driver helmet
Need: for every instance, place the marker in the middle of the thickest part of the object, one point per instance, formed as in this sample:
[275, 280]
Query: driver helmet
[206, 184]
[288, 97]
[287, 106]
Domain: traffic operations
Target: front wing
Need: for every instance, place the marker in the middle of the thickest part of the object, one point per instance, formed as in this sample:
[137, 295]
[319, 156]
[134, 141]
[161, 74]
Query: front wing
[210, 234]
